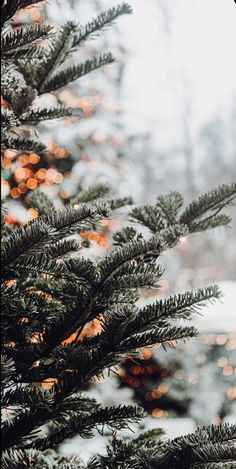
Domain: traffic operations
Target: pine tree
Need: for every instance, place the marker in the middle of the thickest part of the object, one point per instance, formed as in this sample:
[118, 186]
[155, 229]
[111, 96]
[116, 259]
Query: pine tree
[51, 290]
[37, 60]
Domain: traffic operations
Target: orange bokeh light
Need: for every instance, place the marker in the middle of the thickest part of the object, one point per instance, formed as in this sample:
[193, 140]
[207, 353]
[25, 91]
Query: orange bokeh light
[32, 183]
[58, 178]
[40, 174]
[15, 193]
[22, 174]
[6, 163]
[22, 187]
[23, 160]
[100, 238]
[159, 413]
[221, 339]
[34, 158]
[49, 383]
[228, 370]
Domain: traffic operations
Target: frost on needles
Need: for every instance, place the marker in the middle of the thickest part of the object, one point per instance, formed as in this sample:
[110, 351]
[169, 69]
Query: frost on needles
[50, 291]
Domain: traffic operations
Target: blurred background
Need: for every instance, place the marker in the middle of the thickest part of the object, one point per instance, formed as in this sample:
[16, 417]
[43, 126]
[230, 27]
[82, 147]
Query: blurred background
[162, 118]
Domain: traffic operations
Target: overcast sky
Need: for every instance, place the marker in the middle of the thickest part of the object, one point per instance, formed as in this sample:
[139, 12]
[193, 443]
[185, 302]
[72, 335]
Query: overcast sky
[181, 52]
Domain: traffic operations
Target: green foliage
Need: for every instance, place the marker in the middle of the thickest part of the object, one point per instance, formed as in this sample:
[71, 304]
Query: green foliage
[101, 22]
[30, 70]
[22, 145]
[54, 295]
[97, 191]
[73, 73]
[39, 200]
[211, 448]
[47, 114]
[51, 290]
[200, 215]
[23, 42]
[101, 191]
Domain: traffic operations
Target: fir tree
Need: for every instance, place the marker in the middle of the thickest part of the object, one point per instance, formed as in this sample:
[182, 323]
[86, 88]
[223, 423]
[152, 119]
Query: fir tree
[36, 60]
[51, 291]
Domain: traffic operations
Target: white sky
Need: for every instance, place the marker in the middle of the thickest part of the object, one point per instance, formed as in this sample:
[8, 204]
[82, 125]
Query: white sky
[188, 56]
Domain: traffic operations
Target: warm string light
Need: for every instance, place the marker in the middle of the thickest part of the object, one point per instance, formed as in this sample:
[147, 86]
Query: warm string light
[25, 174]
[101, 239]
[221, 339]
[146, 353]
[90, 329]
[231, 344]
[228, 370]
[47, 383]
[159, 413]
[58, 151]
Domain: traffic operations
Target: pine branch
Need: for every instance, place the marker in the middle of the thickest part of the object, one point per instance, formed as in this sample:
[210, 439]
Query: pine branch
[113, 417]
[69, 221]
[8, 119]
[194, 451]
[125, 235]
[73, 73]
[96, 191]
[23, 241]
[209, 223]
[21, 43]
[39, 262]
[57, 112]
[169, 206]
[215, 465]
[22, 144]
[49, 228]
[210, 204]
[141, 249]
[181, 306]
[59, 51]
[101, 22]
[5, 230]
[200, 215]
[22, 459]
[156, 335]
[161, 215]
[147, 438]
[7, 369]
[39, 200]
[148, 278]
[27, 396]
[63, 247]
[120, 202]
